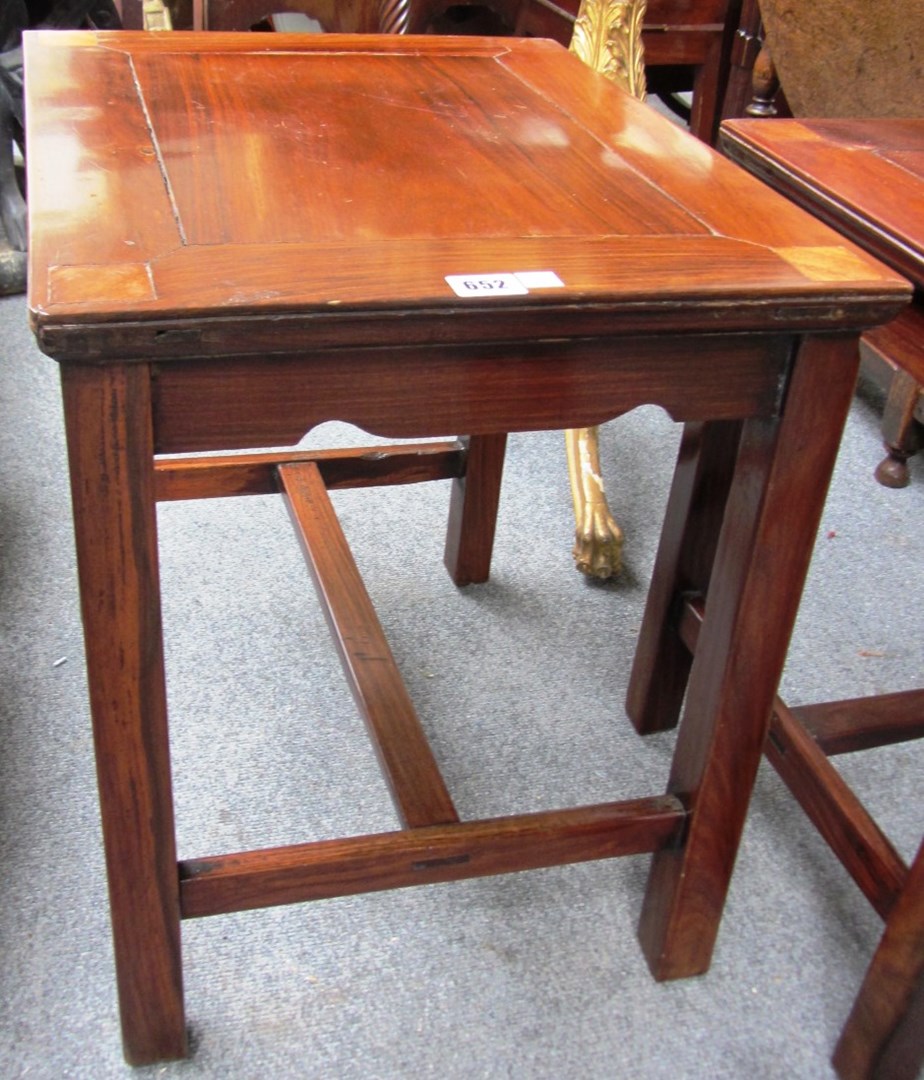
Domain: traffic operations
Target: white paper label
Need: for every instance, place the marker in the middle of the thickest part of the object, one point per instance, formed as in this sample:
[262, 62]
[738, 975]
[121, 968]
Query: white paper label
[539, 279]
[503, 284]
[486, 285]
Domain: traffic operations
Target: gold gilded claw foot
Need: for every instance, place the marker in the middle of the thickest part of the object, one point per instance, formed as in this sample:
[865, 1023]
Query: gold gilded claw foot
[608, 38]
[597, 538]
[598, 544]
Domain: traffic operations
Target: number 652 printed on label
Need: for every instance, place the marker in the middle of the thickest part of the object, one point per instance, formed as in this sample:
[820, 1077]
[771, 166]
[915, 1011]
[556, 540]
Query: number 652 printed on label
[486, 285]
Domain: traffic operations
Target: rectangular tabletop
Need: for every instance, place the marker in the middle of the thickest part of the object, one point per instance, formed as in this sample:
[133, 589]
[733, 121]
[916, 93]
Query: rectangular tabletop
[446, 188]
[864, 177]
[237, 237]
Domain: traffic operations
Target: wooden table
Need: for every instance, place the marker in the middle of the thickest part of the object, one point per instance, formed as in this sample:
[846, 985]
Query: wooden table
[866, 178]
[237, 237]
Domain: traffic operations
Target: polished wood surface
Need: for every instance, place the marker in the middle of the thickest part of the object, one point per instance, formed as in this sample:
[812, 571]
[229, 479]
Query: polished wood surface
[843, 727]
[120, 606]
[258, 240]
[837, 813]
[883, 1038]
[799, 743]
[687, 42]
[344, 867]
[608, 38]
[863, 176]
[330, 216]
[866, 178]
[774, 490]
[413, 776]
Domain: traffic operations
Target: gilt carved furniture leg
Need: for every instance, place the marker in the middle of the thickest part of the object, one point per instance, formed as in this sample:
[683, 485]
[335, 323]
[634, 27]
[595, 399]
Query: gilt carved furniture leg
[773, 509]
[608, 38]
[597, 538]
[108, 422]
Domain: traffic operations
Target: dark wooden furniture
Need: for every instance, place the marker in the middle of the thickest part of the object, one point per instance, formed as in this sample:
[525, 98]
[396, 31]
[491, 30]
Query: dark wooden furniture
[884, 1035]
[866, 178]
[687, 42]
[872, 67]
[752, 87]
[598, 258]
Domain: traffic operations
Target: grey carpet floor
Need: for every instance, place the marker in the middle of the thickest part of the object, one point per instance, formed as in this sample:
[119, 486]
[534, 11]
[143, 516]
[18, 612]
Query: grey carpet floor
[519, 684]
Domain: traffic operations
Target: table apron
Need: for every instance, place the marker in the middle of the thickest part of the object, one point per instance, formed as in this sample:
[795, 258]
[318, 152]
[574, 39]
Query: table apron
[415, 392]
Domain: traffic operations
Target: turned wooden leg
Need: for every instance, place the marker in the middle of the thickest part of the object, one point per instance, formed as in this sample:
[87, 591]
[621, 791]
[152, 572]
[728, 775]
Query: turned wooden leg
[765, 85]
[771, 517]
[899, 431]
[597, 538]
[473, 510]
[108, 420]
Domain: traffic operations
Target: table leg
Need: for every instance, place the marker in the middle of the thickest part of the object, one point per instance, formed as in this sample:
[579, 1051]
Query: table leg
[900, 433]
[884, 1035]
[110, 448]
[685, 555]
[473, 510]
[765, 545]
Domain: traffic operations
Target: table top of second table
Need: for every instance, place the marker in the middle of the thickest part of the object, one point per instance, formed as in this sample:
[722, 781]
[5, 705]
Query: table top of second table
[865, 177]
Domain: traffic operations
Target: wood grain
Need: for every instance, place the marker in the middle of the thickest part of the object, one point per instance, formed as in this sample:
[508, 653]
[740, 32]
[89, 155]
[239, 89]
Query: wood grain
[883, 1038]
[477, 389]
[225, 475]
[769, 525]
[842, 727]
[427, 855]
[110, 452]
[863, 177]
[253, 202]
[372, 674]
[237, 237]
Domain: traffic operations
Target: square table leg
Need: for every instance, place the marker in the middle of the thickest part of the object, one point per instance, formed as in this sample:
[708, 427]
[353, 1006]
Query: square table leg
[693, 520]
[884, 1034]
[773, 510]
[473, 510]
[762, 554]
[108, 420]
